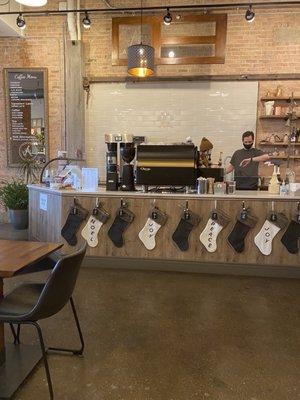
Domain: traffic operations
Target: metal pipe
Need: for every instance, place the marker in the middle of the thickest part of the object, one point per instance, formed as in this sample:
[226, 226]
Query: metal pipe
[187, 7]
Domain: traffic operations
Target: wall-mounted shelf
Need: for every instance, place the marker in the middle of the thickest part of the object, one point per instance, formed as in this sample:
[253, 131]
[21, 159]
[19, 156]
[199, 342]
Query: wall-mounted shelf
[288, 99]
[285, 157]
[273, 117]
[278, 144]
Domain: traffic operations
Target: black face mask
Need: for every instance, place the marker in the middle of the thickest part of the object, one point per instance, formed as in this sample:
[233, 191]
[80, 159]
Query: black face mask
[248, 146]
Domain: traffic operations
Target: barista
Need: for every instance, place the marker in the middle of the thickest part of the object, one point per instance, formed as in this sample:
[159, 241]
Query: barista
[245, 162]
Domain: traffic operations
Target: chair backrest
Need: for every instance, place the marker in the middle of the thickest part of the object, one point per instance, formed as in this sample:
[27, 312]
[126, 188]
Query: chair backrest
[59, 286]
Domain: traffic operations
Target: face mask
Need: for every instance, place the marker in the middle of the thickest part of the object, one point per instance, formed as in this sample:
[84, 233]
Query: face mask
[248, 146]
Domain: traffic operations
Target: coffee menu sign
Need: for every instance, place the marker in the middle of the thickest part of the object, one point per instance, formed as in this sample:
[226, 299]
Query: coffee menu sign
[27, 118]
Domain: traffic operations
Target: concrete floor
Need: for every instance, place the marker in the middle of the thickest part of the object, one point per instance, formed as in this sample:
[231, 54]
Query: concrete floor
[174, 336]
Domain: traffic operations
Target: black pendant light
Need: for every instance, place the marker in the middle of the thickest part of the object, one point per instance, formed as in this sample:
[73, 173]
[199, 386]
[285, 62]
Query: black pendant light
[140, 57]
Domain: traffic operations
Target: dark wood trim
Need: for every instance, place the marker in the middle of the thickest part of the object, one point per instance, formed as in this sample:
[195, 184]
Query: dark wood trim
[191, 60]
[221, 34]
[157, 40]
[250, 77]
[153, 21]
[179, 40]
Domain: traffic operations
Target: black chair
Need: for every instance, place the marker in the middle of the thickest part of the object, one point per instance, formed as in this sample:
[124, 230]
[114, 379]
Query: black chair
[31, 302]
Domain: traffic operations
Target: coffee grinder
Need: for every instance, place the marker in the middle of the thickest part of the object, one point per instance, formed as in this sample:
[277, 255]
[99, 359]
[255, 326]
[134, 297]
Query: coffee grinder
[112, 176]
[127, 150]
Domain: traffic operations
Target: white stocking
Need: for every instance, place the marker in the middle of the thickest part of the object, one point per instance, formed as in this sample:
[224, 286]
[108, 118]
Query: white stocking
[147, 234]
[209, 235]
[265, 236]
[91, 230]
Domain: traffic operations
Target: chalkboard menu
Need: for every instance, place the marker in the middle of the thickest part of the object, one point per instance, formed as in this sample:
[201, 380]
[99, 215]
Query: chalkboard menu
[27, 117]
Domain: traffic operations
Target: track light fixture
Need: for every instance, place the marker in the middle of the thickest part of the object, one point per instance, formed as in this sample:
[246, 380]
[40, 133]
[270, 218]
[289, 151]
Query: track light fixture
[250, 14]
[168, 17]
[86, 22]
[21, 21]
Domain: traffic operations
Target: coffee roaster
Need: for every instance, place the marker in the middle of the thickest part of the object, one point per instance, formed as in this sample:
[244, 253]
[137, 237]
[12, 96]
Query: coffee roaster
[166, 165]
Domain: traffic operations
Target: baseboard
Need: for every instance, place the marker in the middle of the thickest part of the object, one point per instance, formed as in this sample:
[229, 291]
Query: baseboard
[194, 267]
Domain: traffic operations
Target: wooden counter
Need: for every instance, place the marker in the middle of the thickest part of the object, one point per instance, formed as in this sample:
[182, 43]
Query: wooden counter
[46, 225]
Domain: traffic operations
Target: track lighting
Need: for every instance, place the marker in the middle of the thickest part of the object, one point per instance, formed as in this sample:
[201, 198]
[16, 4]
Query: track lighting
[21, 21]
[168, 17]
[86, 22]
[250, 14]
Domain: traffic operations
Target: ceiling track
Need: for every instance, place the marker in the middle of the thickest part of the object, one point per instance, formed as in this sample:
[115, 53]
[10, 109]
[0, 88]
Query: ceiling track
[191, 7]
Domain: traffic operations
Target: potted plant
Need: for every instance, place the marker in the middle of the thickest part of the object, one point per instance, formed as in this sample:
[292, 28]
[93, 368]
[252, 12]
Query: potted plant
[14, 196]
[30, 170]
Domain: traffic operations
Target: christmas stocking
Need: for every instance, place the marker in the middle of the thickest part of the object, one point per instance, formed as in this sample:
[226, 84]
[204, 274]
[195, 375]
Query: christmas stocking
[186, 224]
[240, 230]
[215, 224]
[291, 237]
[121, 222]
[93, 226]
[156, 219]
[76, 215]
[272, 225]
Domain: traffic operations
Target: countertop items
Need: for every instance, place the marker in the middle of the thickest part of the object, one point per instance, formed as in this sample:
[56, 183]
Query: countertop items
[101, 192]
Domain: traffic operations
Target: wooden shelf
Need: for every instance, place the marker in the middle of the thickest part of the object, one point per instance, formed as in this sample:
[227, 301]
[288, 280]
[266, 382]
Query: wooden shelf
[285, 157]
[279, 98]
[278, 144]
[273, 117]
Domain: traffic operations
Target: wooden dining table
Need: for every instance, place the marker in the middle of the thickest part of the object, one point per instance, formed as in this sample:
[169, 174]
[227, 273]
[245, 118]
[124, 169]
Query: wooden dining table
[17, 361]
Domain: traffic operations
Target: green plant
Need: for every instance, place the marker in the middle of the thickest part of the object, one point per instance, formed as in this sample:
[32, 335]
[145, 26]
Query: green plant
[14, 195]
[29, 169]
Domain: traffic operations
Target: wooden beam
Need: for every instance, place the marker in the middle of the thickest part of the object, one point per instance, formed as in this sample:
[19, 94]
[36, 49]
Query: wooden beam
[250, 77]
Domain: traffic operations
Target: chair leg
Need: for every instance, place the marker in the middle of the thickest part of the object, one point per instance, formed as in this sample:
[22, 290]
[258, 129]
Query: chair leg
[15, 334]
[39, 330]
[74, 351]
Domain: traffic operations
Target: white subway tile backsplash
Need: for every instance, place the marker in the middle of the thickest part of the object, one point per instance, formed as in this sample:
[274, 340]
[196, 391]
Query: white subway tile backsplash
[169, 112]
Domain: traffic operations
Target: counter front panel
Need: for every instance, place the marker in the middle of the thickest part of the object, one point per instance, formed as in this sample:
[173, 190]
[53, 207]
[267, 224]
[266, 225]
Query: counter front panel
[46, 225]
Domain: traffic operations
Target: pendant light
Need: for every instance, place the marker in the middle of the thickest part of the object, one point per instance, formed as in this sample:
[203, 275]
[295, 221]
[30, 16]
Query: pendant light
[32, 3]
[140, 57]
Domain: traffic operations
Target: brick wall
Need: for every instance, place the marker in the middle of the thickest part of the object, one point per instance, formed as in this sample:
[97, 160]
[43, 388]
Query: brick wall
[269, 45]
[41, 47]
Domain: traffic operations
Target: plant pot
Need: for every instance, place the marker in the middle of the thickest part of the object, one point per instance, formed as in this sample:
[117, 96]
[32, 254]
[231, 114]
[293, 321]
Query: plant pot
[18, 218]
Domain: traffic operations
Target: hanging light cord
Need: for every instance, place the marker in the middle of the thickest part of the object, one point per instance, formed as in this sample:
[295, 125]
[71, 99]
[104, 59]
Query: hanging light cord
[141, 21]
